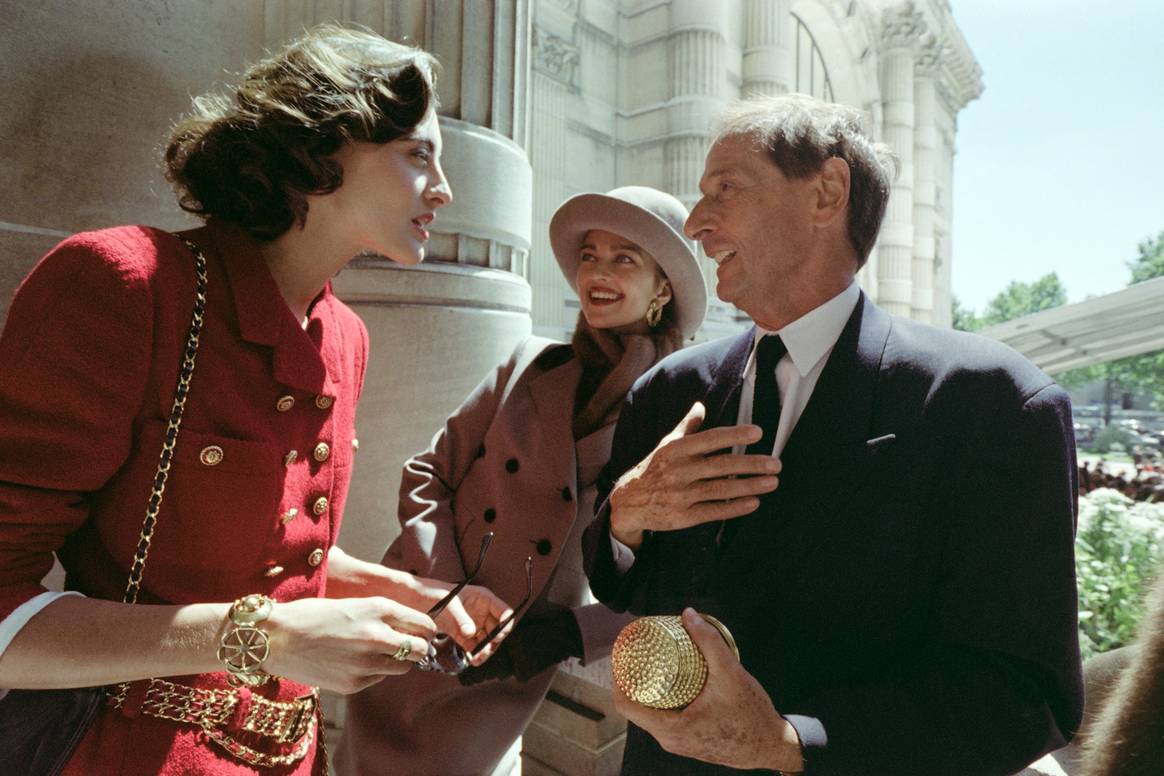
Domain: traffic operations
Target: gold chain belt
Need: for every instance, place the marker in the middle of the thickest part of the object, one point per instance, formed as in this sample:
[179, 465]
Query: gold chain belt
[283, 722]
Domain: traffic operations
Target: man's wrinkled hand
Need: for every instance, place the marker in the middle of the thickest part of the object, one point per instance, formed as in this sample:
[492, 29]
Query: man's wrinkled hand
[687, 480]
[732, 722]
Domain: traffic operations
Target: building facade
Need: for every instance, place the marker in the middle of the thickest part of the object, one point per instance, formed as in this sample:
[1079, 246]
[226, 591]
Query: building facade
[625, 92]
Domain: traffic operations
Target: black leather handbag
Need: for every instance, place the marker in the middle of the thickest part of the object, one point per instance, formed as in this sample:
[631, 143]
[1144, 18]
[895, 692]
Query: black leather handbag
[40, 729]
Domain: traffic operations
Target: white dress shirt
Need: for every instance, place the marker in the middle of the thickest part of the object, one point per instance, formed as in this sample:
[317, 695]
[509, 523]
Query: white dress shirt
[20, 616]
[809, 339]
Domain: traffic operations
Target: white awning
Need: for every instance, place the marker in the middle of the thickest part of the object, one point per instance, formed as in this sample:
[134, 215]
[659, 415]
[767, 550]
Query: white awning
[1106, 328]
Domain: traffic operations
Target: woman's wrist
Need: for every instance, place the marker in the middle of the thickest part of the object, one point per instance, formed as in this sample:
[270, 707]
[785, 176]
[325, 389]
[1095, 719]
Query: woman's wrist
[625, 533]
[350, 577]
[245, 644]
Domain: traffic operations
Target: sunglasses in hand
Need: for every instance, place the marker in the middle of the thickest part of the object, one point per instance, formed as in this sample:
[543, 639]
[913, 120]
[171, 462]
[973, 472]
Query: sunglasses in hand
[447, 656]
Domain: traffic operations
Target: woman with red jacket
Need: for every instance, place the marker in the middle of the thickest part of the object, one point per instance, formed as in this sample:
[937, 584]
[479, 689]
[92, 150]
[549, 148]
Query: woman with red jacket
[329, 148]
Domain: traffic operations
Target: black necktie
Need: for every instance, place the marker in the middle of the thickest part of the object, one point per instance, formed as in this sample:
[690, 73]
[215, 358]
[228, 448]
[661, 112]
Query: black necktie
[766, 397]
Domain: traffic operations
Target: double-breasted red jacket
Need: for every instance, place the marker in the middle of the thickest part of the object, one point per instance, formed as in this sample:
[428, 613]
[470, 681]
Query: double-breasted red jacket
[89, 360]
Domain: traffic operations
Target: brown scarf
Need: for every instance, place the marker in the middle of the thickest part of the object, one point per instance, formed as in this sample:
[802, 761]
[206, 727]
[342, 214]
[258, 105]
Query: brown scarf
[610, 365]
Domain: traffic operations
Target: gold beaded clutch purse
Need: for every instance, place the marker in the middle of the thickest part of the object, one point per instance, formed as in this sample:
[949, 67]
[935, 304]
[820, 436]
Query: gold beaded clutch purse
[657, 664]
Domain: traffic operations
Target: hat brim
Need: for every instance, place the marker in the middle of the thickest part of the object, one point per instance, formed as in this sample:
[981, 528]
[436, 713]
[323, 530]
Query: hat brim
[585, 212]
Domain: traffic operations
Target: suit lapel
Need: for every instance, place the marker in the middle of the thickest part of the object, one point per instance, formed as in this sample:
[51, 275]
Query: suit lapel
[829, 440]
[693, 551]
[553, 397]
[723, 396]
[552, 394]
[840, 410]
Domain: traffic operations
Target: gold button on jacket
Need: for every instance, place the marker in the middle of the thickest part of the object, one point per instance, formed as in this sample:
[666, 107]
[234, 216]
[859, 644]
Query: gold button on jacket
[290, 457]
[323, 402]
[289, 515]
[321, 452]
[285, 403]
[211, 455]
[315, 558]
[320, 505]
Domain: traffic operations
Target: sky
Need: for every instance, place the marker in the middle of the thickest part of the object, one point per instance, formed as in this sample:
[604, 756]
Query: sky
[1060, 161]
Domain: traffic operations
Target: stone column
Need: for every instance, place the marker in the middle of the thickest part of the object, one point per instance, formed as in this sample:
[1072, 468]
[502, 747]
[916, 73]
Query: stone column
[925, 159]
[944, 170]
[769, 65]
[696, 44]
[901, 28]
[554, 80]
[867, 275]
[957, 82]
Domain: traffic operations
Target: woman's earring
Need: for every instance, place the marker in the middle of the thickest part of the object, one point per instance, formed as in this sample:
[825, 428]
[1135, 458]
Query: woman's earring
[654, 314]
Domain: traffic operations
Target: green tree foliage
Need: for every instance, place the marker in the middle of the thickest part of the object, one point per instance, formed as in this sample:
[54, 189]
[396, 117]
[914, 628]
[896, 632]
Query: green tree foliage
[1016, 300]
[1019, 299]
[1136, 374]
[1150, 263]
[965, 319]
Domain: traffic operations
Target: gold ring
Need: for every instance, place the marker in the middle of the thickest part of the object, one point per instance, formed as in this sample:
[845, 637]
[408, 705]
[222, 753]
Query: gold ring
[404, 650]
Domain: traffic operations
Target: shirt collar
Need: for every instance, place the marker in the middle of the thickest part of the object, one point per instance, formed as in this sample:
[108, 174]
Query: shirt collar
[811, 336]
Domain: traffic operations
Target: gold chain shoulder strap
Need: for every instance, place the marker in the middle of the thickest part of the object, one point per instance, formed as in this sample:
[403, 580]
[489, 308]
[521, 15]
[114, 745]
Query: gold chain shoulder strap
[133, 586]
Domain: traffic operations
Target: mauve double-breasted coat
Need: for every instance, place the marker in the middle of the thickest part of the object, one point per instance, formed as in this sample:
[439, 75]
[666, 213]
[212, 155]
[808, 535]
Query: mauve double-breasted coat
[505, 461]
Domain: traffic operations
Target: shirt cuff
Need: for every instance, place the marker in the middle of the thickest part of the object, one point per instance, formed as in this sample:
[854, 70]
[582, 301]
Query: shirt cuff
[20, 616]
[624, 557]
[813, 738]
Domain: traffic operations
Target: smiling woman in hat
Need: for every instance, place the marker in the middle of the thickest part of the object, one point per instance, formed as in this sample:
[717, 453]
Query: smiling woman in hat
[519, 459]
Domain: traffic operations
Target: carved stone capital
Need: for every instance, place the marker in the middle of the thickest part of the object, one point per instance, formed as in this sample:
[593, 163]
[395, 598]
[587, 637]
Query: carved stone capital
[555, 57]
[564, 6]
[928, 56]
[902, 26]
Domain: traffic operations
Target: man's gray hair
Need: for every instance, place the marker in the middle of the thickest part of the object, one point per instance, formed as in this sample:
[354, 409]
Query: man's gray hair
[800, 132]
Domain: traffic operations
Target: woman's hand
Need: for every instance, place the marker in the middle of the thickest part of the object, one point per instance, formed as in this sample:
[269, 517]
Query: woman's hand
[467, 618]
[539, 641]
[486, 611]
[345, 644]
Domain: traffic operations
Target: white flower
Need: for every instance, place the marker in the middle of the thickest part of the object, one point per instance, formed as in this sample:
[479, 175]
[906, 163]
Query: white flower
[1141, 516]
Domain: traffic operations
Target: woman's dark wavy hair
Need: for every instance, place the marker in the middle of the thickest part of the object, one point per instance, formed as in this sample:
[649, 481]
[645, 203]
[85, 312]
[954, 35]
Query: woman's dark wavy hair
[252, 160]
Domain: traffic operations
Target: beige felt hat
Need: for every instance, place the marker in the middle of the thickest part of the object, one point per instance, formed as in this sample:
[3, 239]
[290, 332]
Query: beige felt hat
[651, 219]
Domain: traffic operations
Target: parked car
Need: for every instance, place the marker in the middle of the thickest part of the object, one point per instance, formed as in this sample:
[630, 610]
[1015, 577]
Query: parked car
[1084, 434]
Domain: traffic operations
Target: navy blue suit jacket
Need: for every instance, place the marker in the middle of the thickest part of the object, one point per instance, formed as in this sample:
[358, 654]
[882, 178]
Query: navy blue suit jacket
[907, 596]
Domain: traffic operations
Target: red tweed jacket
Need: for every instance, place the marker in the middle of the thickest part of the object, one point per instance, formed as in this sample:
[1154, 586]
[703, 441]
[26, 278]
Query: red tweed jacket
[88, 365]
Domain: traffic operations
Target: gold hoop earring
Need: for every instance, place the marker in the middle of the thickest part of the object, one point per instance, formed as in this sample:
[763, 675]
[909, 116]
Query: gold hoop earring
[654, 314]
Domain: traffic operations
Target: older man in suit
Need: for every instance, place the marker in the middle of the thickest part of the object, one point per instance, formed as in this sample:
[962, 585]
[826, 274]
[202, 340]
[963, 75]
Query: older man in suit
[881, 512]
